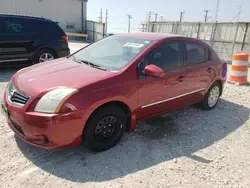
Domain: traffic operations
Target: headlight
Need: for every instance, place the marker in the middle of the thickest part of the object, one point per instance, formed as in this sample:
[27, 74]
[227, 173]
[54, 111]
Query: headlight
[52, 101]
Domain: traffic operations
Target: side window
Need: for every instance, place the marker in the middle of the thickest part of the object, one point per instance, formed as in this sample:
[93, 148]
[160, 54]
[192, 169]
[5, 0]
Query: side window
[168, 56]
[196, 53]
[16, 25]
[1, 26]
[51, 28]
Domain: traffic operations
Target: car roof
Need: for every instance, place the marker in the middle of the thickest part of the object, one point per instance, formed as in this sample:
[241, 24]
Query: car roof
[22, 16]
[149, 36]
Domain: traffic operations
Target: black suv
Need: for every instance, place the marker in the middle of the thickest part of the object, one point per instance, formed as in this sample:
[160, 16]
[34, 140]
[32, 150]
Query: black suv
[24, 38]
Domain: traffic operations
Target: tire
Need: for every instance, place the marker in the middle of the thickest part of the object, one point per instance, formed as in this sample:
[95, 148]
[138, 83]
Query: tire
[100, 123]
[50, 54]
[208, 103]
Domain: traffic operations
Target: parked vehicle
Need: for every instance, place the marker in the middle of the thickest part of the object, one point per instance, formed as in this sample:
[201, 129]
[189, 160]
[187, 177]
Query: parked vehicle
[32, 39]
[98, 93]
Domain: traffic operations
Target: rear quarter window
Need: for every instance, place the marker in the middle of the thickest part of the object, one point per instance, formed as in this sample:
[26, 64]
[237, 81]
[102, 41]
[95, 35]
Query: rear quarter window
[196, 53]
[51, 29]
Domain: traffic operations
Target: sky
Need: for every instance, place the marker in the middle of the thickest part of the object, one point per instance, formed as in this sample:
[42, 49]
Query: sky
[118, 11]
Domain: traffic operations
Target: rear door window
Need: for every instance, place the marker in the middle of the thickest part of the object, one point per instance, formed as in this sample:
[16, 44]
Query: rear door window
[195, 53]
[17, 26]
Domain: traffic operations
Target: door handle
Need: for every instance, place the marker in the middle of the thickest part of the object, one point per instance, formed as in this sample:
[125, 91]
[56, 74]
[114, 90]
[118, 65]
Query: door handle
[180, 78]
[209, 70]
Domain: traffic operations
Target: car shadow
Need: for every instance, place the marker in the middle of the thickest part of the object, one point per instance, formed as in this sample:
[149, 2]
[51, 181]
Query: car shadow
[161, 139]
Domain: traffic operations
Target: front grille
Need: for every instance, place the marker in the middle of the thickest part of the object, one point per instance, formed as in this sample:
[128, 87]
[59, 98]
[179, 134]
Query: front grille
[16, 96]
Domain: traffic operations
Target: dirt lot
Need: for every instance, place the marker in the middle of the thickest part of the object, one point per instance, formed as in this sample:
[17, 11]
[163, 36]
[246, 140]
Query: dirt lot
[189, 148]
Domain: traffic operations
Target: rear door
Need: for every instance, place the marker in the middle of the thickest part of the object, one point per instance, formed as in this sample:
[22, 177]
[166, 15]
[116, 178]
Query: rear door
[17, 40]
[201, 71]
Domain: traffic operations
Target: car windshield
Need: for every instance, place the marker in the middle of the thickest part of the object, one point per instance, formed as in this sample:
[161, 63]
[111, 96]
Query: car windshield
[111, 53]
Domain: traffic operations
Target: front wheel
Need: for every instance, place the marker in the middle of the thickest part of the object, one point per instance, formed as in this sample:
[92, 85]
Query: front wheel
[105, 128]
[212, 97]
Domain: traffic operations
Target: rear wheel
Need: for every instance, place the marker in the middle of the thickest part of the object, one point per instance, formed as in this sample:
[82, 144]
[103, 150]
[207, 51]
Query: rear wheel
[44, 55]
[105, 128]
[212, 97]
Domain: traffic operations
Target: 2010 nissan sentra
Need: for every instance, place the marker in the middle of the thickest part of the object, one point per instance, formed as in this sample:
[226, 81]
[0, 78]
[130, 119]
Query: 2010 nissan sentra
[106, 88]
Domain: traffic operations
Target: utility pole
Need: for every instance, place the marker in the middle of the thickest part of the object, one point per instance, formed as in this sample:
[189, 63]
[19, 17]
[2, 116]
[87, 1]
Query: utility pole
[156, 16]
[239, 13]
[101, 15]
[217, 11]
[181, 15]
[149, 19]
[143, 27]
[206, 15]
[106, 22]
[237, 17]
[129, 18]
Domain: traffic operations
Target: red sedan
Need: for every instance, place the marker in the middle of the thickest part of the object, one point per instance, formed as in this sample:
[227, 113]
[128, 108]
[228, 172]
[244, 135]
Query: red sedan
[106, 88]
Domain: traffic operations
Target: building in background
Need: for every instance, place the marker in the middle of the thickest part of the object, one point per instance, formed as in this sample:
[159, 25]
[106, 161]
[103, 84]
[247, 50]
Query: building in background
[71, 15]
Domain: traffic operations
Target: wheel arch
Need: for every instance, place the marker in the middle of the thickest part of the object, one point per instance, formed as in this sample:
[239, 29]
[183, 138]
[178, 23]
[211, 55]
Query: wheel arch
[220, 82]
[125, 108]
[46, 48]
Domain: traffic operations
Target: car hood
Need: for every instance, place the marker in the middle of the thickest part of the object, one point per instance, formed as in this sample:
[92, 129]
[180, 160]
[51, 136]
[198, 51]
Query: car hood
[57, 73]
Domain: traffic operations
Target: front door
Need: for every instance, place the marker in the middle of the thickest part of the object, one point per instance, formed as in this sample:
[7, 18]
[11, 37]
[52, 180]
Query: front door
[159, 95]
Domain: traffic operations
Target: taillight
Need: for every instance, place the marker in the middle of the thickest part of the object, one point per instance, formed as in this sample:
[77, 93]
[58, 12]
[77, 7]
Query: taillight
[66, 39]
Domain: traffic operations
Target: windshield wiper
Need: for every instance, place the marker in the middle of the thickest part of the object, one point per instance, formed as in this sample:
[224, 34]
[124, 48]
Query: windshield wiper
[93, 65]
[76, 60]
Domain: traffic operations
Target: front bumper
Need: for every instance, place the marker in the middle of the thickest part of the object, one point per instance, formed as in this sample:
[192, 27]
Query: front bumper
[49, 131]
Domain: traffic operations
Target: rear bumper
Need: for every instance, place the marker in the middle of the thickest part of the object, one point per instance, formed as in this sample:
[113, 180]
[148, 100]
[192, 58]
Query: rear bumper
[63, 53]
[49, 131]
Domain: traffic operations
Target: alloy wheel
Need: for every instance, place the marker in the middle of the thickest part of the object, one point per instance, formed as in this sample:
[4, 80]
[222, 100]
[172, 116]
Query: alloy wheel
[213, 96]
[45, 57]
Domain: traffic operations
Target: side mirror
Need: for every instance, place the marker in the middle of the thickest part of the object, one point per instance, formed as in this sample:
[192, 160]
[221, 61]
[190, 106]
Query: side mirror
[154, 71]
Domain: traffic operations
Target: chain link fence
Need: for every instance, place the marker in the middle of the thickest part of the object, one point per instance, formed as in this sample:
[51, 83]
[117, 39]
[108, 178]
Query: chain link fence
[95, 30]
[225, 38]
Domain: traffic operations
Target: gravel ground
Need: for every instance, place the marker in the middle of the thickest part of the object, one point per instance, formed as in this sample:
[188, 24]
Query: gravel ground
[189, 148]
